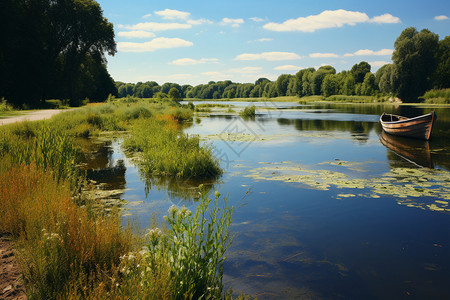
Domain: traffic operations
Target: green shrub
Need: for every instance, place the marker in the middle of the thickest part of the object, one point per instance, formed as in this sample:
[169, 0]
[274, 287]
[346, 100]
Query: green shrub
[441, 96]
[4, 106]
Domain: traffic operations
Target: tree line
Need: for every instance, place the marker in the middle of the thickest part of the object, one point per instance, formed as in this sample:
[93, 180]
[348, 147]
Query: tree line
[420, 62]
[54, 49]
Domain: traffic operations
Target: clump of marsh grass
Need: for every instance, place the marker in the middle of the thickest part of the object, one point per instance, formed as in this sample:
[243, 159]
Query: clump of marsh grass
[168, 152]
[248, 112]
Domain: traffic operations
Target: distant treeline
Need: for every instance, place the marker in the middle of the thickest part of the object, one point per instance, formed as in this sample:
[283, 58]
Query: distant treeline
[420, 62]
[54, 49]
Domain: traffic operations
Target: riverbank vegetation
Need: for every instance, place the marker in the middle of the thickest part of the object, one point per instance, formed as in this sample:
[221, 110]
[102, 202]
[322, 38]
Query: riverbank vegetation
[437, 96]
[69, 249]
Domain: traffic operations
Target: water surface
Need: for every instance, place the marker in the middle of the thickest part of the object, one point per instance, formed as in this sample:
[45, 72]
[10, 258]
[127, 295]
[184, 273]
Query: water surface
[323, 208]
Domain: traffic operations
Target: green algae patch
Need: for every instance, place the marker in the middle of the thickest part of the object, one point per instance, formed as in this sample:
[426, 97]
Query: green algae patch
[346, 195]
[412, 187]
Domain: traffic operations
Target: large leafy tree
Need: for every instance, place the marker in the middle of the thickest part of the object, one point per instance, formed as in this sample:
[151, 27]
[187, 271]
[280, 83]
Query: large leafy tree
[442, 74]
[318, 76]
[359, 71]
[414, 62]
[57, 47]
[383, 78]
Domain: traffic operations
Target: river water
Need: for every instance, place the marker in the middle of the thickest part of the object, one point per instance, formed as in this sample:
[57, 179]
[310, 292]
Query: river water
[326, 205]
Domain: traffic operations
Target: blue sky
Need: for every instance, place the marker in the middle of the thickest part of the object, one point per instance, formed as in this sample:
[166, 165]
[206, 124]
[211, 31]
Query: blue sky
[193, 42]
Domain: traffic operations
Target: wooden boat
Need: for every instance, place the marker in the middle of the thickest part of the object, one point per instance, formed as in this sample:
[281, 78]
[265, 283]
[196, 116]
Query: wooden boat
[418, 127]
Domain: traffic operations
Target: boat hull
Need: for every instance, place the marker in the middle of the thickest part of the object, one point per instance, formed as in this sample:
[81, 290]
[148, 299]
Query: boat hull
[418, 127]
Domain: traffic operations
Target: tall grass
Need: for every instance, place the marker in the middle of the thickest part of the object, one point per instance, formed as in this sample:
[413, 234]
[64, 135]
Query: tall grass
[57, 240]
[167, 151]
[45, 146]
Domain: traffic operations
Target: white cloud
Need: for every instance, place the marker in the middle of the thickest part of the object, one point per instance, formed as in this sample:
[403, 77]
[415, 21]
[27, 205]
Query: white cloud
[191, 61]
[378, 63]
[261, 40]
[136, 34]
[246, 70]
[147, 16]
[233, 22]
[368, 52]
[329, 19]
[172, 14]
[272, 56]
[441, 18]
[256, 19]
[323, 55]
[386, 18]
[199, 21]
[153, 26]
[153, 45]
[326, 19]
[288, 68]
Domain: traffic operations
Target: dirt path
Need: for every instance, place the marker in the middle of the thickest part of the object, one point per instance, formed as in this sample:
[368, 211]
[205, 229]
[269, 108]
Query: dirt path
[11, 286]
[32, 116]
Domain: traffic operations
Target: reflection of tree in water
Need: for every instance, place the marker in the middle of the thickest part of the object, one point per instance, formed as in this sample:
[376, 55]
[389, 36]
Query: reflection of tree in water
[112, 176]
[95, 154]
[99, 164]
[358, 130]
[179, 190]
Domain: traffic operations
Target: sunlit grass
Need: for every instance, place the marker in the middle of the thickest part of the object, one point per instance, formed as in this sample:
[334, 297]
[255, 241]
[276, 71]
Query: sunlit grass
[167, 151]
[56, 239]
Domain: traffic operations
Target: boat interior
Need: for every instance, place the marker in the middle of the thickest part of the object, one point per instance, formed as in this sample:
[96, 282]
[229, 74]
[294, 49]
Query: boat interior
[391, 118]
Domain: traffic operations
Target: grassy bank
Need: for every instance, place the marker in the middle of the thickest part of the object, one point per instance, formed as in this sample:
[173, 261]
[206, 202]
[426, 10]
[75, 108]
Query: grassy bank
[69, 250]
